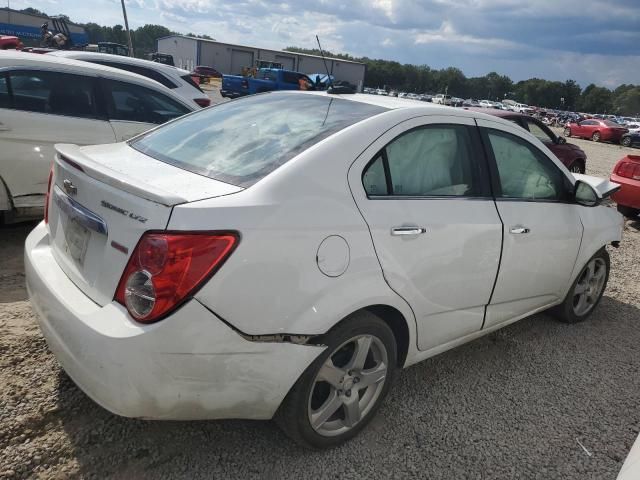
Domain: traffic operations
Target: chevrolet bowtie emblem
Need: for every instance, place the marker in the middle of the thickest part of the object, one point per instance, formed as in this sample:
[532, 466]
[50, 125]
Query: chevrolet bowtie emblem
[70, 188]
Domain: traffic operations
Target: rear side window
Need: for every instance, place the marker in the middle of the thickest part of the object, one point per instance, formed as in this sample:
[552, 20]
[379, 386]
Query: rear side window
[431, 161]
[189, 80]
[542, 133]
[144, 71]
[242, 141]
[135, 103]
[54, 93]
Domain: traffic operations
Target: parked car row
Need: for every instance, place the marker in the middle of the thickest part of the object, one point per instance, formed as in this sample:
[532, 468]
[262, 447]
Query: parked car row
[52, 98]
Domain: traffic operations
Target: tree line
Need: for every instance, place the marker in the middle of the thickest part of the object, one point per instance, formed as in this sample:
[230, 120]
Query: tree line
[568, 95]
[143, 38]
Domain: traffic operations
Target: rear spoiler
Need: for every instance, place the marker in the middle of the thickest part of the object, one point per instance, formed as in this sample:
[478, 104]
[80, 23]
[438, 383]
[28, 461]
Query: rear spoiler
[72, 155]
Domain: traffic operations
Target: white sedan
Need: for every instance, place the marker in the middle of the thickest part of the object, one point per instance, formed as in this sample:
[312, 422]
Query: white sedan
[173, 78]
[284, 255]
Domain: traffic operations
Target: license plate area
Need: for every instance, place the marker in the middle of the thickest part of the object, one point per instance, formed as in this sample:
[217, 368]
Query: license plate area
[77, 239]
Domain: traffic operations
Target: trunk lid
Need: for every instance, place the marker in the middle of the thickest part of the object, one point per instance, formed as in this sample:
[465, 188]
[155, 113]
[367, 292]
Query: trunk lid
[103, 198]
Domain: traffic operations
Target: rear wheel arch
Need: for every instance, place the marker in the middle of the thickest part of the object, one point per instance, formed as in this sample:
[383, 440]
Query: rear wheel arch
[394, 319]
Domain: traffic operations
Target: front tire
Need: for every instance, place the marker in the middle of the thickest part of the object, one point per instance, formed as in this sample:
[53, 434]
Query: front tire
[595, 137]
[625, 142]
[628, 211]
[586, 291]
[577, 167]
[567, 132]
[341, 391]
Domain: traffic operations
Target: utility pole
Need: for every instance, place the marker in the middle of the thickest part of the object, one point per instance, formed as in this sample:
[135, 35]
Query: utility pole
[126, 25]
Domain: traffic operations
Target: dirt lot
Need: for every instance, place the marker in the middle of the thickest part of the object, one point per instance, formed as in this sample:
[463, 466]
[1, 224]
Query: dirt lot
[513, 404]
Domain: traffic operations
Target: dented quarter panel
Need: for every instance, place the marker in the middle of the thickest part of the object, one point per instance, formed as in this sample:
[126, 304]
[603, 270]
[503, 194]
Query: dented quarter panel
[189, 366]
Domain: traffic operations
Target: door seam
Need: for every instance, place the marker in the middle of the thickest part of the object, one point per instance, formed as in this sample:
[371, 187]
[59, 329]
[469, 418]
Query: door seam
[495, 204]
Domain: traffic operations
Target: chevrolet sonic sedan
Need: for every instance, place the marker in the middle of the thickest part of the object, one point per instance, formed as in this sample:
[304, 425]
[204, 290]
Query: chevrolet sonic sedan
[284, 255]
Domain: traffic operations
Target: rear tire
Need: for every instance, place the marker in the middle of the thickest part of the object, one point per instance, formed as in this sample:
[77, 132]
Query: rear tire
[595, 137]
[625, 142]
[628, 211]
[341, 391]
[586, 291]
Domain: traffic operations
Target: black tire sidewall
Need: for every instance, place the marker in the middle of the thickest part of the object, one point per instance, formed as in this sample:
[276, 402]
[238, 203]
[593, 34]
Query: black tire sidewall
[625, 142]
[292, 416]
[565, 311]
[628, 212]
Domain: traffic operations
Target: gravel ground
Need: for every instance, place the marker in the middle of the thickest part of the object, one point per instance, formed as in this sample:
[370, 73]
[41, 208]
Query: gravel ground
[513, 404]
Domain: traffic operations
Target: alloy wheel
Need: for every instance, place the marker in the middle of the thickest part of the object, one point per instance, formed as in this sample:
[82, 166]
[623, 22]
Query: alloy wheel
[626, 141]
[348, 385]
[595, 137]
[589, 287]
[567, 132]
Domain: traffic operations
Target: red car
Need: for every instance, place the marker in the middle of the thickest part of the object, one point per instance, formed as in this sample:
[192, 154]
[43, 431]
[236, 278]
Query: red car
[204, 71]
[571, 155]
[596, 129]
[627, 174]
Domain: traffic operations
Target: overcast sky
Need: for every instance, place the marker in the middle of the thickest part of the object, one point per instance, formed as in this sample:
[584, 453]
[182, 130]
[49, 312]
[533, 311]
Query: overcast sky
[586, 40]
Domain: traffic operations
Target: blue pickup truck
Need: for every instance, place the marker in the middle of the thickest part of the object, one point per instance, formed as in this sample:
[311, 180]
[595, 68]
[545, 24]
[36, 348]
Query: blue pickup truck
[266, 80]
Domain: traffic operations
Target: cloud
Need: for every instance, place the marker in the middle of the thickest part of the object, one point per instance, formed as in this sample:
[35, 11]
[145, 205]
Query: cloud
[587, 40]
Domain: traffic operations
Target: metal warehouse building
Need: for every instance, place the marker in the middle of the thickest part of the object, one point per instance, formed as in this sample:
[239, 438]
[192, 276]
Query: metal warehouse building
[188, 52]
[27, 26]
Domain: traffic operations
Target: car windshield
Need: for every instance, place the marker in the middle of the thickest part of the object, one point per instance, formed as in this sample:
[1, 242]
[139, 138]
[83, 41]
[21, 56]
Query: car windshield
[242, 141]
[609, 123]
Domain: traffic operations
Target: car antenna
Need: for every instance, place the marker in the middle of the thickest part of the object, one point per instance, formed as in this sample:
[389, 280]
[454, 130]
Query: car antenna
[341, 87]
[324, 61]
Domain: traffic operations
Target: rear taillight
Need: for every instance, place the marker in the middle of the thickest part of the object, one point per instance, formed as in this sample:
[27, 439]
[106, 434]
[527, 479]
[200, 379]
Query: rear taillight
[166, 268]
[203, 102]
[48, 196]
[628, 170]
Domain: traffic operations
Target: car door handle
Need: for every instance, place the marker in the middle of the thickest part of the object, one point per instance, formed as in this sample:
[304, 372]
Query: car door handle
[519, 229]
[408, 230]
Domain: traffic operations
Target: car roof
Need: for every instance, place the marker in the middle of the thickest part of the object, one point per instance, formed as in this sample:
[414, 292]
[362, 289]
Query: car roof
[497, 112]
[17, 59]
[395, 103]
[82, 55]
[26, 59]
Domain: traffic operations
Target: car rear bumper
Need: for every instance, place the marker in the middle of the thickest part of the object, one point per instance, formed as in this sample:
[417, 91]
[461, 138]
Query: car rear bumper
[190, 365]
[629, 193]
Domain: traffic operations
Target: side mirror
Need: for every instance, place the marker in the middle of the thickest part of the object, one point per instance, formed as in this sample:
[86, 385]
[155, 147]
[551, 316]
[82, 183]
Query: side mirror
[585, 194]
[561, 140]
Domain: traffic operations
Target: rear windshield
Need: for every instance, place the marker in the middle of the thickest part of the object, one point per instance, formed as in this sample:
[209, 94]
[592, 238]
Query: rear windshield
[189, 80]
[242, 141]
[609, 123]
